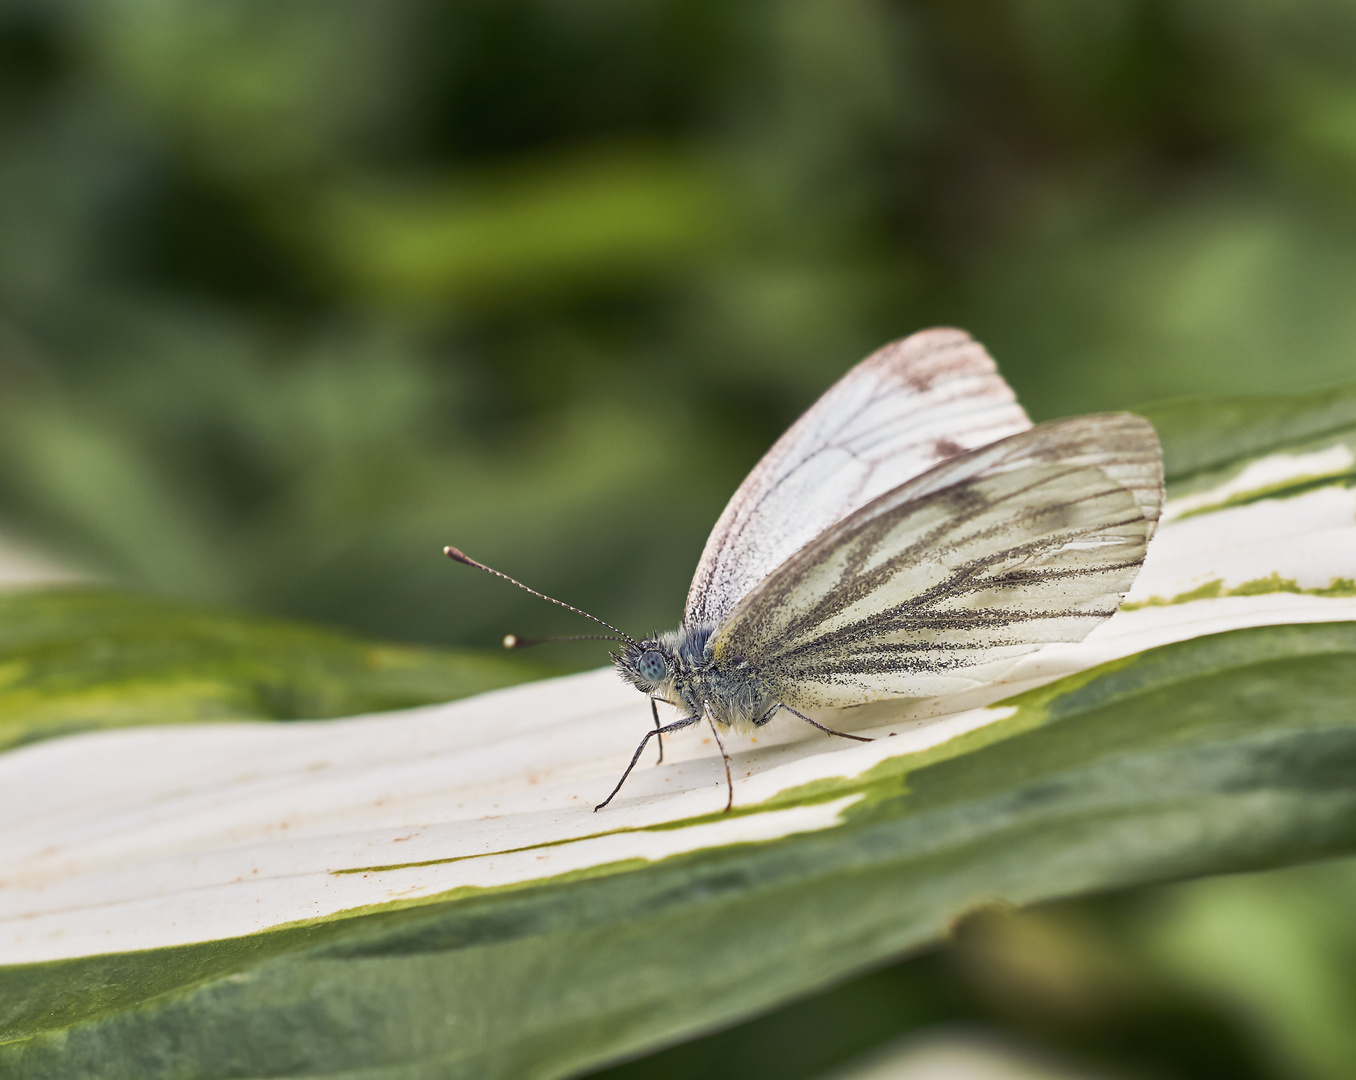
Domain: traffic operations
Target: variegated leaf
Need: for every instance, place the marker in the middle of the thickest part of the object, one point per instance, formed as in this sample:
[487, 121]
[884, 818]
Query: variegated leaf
[428, 893]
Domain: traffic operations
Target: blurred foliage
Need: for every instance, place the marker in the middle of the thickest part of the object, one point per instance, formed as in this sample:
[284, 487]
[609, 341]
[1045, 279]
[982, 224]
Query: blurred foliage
[293, 294]
[1244, 977]
[80, 659]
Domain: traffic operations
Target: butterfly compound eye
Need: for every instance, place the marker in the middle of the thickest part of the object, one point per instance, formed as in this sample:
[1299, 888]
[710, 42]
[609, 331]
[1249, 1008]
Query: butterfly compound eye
[651, 666]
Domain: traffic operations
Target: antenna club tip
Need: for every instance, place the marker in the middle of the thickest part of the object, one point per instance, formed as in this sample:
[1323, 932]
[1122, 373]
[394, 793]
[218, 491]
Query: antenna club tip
[510, 641]
[460, 556]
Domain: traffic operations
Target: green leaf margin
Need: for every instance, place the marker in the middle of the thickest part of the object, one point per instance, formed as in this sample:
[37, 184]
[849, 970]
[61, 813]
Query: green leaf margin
[80, 659]
[1207, 434]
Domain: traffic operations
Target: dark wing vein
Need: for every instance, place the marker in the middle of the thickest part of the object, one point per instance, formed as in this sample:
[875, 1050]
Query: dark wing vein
[892, 417]
[1032, 540]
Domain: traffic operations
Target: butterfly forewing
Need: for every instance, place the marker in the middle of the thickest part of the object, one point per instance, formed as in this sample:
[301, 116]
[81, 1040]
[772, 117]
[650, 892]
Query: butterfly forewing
[939, 584]
[898, 413]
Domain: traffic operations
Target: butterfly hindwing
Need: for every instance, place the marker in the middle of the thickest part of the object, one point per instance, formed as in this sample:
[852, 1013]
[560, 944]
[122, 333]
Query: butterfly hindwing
[898, 413]
[939, 584]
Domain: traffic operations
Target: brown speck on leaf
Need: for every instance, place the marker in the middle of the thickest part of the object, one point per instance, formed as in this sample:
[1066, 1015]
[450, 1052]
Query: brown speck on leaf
[945, 448]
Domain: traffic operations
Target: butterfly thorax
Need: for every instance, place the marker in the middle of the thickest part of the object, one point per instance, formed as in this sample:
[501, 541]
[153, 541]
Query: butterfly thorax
[690, 679]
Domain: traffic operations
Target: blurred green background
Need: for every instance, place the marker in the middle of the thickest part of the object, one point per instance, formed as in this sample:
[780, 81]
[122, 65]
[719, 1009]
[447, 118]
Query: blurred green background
[294, 293]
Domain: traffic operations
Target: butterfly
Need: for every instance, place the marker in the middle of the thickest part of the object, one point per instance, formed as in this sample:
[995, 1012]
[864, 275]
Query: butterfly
[910, 536]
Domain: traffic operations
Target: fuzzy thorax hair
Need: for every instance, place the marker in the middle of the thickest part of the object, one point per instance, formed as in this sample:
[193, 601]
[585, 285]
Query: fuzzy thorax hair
[731, 693]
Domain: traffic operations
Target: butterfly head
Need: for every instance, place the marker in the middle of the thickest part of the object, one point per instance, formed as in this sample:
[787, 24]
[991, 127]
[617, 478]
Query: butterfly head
[646, 665]
[671, 666]
[652, 666]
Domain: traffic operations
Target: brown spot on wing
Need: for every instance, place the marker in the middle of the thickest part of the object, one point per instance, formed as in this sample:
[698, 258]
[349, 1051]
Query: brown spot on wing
[923, 359]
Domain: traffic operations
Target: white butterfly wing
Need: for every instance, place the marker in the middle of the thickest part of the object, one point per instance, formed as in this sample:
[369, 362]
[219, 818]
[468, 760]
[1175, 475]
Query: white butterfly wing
[908, 406]
[940, 584]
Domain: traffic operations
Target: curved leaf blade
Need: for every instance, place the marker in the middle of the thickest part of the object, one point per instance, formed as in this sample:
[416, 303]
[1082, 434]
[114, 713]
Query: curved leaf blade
[1171, 763]
[1205, 728]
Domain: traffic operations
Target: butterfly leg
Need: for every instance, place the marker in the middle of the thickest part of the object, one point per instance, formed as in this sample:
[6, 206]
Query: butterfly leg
[729, 784]
[827, 730]
[654, 710]
[767, 715]
[677, 725]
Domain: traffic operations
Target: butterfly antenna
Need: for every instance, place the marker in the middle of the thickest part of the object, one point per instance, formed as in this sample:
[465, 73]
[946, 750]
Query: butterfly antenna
[461, 557]
[513, 641]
